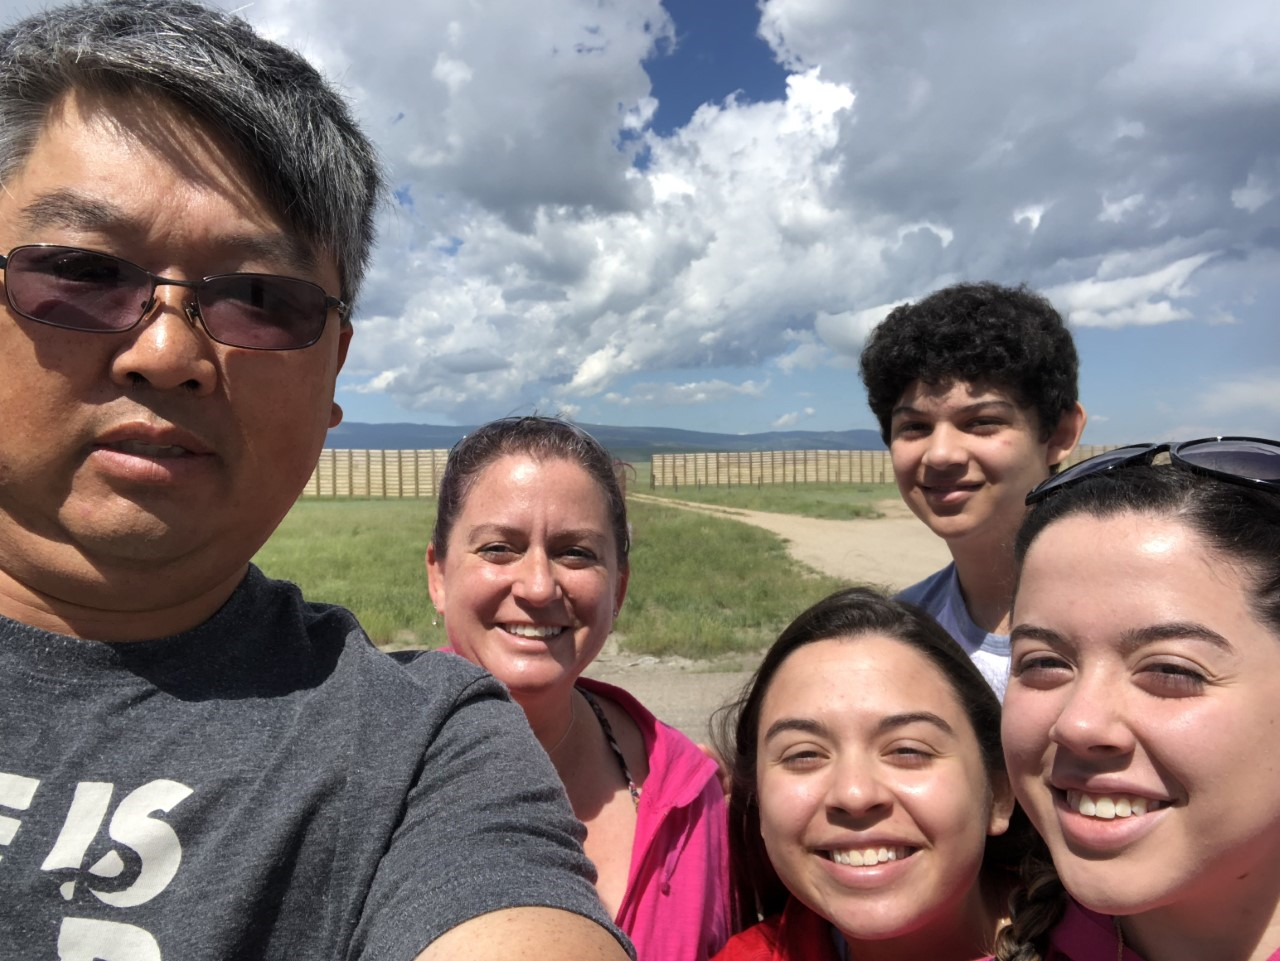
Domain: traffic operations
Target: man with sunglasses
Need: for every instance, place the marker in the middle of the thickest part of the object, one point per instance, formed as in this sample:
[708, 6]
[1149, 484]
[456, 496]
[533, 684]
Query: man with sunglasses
[196, 763]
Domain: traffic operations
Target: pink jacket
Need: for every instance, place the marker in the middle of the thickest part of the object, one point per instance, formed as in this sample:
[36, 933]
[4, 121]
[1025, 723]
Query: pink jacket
[1084, 935]
[676, 906]
[797, 934]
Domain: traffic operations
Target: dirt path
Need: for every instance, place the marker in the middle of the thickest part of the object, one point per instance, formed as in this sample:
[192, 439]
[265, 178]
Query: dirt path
[893, 551]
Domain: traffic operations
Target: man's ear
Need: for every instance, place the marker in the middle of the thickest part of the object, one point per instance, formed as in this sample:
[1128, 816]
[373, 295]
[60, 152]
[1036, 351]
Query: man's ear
[344, 342]
[1066, 435]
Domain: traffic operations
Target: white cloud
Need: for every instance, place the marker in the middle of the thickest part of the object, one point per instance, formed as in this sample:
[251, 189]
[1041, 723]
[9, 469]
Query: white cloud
[686, 395]
[846, 332]
[1142, 299]
[1030, 215]
[807, 354]
[1252, 395]
[1116, 210]
[1132, 129]
[789, 420]
[1259, 188]
[454, 74]
[943, 233]
[737, 211]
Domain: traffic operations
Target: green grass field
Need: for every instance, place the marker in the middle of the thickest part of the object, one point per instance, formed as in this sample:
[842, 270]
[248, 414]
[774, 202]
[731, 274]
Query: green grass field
[363, 554]
[700, 586]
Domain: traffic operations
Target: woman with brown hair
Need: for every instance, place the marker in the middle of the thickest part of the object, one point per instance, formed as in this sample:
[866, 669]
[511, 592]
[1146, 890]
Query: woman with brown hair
[869, 801]
[529, 564]
[1143, 706]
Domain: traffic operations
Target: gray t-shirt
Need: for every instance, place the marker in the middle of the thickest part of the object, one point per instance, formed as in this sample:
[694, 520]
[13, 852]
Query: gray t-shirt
[267, 785]
[940, 595]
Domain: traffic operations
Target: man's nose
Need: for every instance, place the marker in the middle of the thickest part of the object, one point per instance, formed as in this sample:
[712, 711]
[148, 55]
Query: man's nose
[168, 348]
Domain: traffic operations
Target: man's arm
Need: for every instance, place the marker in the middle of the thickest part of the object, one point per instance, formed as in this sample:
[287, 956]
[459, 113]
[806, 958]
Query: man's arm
[517, 934]
[486, 859]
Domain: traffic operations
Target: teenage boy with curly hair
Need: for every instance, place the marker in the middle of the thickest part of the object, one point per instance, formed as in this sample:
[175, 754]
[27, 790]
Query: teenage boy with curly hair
[975, 391]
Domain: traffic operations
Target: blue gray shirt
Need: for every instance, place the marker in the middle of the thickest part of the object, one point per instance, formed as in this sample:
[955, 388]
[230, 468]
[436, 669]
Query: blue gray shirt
[939, 594]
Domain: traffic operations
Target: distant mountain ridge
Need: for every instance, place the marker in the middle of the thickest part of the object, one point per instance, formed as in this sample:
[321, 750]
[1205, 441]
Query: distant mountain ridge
[628, 443]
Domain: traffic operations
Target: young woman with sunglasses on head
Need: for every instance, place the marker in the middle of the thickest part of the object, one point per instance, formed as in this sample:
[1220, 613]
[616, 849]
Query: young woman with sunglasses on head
[1144, 704]
[529, 565]
[870, 812]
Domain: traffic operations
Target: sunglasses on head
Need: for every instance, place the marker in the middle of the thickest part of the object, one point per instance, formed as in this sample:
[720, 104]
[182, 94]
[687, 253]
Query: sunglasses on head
[86, 290]
[1247, 461]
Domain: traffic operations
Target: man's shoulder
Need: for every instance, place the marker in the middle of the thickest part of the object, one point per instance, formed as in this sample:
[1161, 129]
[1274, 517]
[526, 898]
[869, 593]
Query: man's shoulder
[435, 672]
[327, 639]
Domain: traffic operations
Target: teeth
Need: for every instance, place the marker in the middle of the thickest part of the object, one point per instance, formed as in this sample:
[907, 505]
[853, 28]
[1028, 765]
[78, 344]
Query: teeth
[1107, 807]
[531, 630]
[149, 450]
[868, 856]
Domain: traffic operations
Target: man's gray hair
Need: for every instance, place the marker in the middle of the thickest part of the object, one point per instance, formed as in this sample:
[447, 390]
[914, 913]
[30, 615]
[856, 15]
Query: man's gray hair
[296, 136]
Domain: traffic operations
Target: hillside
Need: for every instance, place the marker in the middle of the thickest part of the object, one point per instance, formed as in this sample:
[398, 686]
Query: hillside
[628, 443]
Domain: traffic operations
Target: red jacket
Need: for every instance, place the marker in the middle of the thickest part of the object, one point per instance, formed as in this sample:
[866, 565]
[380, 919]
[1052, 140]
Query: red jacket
[797, 934]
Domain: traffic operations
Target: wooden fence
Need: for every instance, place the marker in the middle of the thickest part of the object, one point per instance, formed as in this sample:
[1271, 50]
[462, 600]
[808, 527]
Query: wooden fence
[377, 473]
[724, 469]
[417, 473]
[729, 469]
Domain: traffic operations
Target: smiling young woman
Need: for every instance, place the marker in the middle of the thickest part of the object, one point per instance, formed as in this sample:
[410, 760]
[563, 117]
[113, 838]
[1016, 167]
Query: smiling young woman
[1144, 697]
[870, 811]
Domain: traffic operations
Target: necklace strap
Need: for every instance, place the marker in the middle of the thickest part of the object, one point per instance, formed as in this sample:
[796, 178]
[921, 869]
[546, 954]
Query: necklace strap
[573, 717]
[607, 728]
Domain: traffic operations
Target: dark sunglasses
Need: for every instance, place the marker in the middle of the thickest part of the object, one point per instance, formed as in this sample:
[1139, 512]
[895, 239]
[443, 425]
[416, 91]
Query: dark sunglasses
[1248, 461]
[86, 290]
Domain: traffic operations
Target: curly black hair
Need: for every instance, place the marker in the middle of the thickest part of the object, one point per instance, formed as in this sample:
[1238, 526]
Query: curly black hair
[1007, 337]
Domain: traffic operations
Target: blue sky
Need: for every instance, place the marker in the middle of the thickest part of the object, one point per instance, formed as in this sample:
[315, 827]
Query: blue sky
[689, 213]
